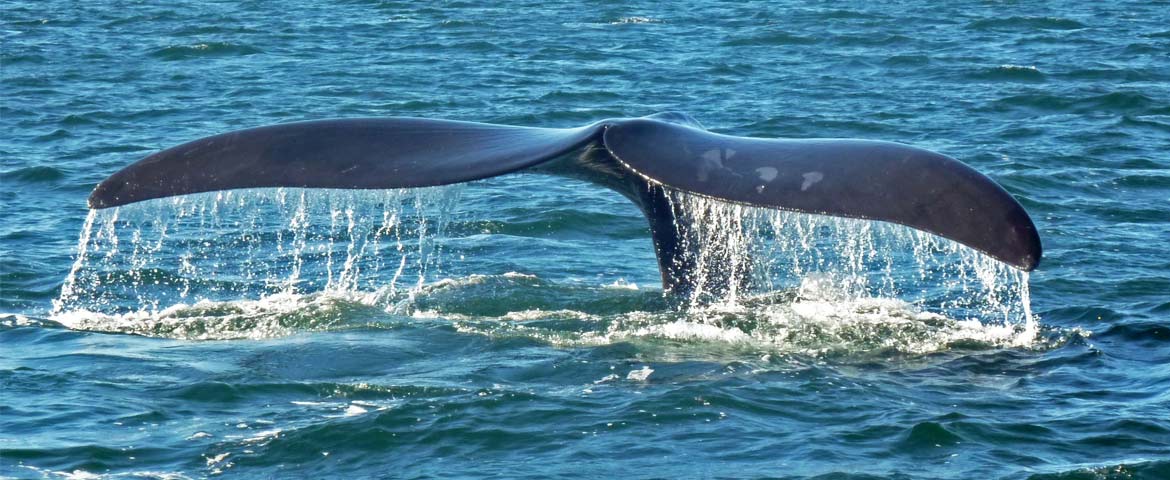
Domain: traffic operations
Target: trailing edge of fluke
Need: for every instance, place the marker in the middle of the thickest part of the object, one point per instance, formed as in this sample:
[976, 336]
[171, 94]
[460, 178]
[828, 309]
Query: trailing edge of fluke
[863, 179]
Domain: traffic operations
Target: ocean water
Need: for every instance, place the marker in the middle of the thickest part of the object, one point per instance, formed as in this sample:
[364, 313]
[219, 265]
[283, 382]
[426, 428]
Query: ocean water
[515, 327]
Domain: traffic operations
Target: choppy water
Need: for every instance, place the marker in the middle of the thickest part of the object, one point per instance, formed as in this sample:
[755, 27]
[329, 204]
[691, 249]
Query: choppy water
[515, 326]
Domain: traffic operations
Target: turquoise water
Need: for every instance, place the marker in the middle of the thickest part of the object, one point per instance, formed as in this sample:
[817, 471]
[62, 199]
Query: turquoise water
[515, 327]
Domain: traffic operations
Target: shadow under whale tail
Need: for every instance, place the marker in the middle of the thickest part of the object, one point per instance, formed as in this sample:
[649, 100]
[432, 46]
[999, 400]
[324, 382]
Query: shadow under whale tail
[841, 177]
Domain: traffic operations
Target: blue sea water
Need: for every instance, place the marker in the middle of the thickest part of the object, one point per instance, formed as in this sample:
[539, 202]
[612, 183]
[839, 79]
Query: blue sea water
[515, 327]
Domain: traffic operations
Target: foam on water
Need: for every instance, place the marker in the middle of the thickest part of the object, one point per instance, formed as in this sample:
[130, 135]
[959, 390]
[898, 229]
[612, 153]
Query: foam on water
[86, 475]
[258, 264]
[808, 321]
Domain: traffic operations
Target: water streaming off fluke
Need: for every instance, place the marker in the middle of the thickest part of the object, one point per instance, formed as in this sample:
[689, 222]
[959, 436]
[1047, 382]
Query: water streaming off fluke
[263, 263]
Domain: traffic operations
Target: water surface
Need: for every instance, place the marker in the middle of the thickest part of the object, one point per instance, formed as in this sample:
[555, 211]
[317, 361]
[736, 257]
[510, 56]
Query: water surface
[516, 326]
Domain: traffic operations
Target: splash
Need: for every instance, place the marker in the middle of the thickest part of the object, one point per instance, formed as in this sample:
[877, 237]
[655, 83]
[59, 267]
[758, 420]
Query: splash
[846, 260]
[265, 263]
[234, 245]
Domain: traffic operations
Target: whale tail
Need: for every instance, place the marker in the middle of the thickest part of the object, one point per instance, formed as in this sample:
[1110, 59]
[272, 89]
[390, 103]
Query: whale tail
[841, 177]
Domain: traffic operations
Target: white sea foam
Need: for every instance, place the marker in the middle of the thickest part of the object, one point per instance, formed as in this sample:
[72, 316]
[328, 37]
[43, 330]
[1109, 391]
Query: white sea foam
[79, 474]
[270, 316]
[628, 20]
[263, 437]
[537, 314]
[622, 284]
[640, 375]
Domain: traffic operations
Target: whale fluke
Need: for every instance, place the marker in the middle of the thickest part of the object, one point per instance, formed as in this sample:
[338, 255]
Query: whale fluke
[360, 153]
[864, 179]
[637, 157]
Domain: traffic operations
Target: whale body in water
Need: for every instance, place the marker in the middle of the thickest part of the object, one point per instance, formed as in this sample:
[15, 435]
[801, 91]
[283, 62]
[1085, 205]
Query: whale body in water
[640, 158]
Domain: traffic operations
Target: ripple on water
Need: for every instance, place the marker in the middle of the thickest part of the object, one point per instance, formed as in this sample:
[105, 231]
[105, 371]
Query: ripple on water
[1026, 23]
[1010, 73]
[9, 60]
[36, 174]
[928, 438]
[770, 38]
[203, 50]
[1126, 102]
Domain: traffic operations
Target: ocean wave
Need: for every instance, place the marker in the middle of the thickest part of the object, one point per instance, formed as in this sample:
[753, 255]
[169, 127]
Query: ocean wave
[1010, 73]
[1138, 469]
[203, 50]
[634, 20]
[1026, 23]
[35, 174]
[1123, 102]
[771, 38]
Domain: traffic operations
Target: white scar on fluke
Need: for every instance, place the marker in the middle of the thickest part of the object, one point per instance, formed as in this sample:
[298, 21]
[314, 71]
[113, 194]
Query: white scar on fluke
[810, 179]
